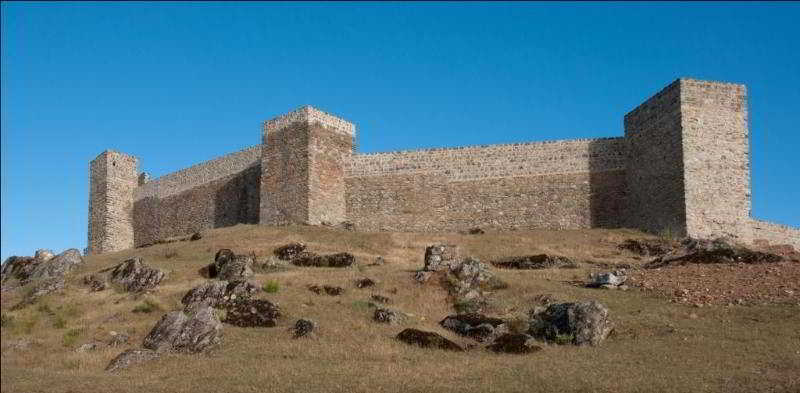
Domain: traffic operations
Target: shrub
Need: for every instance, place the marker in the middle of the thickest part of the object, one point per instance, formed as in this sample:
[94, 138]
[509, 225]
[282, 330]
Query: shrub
[6, 321]
[271, 286]
[59, 322]
[147, 306]
[71, 337]
[563, 339]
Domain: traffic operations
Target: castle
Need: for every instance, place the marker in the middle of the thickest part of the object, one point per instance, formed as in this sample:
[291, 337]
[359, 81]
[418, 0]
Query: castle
[682, 168]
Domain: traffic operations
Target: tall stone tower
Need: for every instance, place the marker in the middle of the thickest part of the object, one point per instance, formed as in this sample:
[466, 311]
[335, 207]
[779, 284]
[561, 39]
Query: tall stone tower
[302, 163]
[112, 181]
[688, 165]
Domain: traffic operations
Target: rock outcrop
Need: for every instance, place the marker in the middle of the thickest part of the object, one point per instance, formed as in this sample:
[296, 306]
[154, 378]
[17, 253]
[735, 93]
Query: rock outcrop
[219, 294]
[252, 313]
[427, 340]
[473, 325]
[516, 343]
[289, 251]
[440, 257]
[303, 327]
[712, 251]
[44, 272]
[540, 261]
[581, 323]
[194, 331]
[342, 259]
[135, 276]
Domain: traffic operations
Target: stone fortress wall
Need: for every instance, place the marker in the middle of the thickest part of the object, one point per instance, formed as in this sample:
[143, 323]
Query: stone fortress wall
[682, 168]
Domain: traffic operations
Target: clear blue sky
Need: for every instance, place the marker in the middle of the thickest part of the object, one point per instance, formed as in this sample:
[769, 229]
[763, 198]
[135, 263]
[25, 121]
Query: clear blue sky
[176, 84]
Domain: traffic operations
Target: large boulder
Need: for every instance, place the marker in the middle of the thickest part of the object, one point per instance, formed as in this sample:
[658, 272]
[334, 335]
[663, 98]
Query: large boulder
[427, 340]
[219, 293]
[136, 276]
[540, 261]
[239, 267]
[44, 273]
[342, 259]
[130, 358]
[252, 313]
[192, 331]
[440, 256]
[580, 323]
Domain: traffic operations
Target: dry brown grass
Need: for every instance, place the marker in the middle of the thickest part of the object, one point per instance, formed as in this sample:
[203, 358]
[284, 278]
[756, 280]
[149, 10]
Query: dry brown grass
[658, 346]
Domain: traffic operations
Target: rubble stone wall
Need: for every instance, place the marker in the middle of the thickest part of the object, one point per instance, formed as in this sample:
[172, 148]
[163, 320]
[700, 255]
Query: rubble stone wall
[774, 233]
[559, 185]
[221, 192]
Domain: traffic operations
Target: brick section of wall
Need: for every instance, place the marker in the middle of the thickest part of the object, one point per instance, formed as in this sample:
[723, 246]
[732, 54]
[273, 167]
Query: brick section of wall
[716, 160]
[217, 193]
[655, 164]
[112, 182]
[774, 233]
[561, 184]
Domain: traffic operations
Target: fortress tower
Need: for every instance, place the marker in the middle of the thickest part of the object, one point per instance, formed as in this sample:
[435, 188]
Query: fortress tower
[682, 169]
[688, 167]
[303, 158]
[112, 181]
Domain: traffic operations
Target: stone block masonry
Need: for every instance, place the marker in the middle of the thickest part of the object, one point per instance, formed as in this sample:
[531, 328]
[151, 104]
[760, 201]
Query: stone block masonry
[682, 168]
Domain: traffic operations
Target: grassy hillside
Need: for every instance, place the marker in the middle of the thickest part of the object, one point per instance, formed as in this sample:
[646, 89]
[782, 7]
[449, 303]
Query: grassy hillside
[658, 345]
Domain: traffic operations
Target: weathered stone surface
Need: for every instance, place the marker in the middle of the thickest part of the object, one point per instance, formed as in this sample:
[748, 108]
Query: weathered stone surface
[385, 315]
[195, 236]
[427, 340]
[422, 276]
[303, 327]
[44, 254]
[540, 261]
[473, 325]
[15, 267]
[194, 331]
[131, 357]
[289, 251]
[118, 339]
[581, 323]
[136, 276]
[327, 289]
[252, 313]
[113, 180]
[95, 282]
[239, 267]
[440, 256]
[515, 343]
[472, 275]
[341, 259]
[610, 279]
[219, 293]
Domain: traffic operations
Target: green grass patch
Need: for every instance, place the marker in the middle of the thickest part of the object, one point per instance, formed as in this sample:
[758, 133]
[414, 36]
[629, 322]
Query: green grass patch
[271, 286]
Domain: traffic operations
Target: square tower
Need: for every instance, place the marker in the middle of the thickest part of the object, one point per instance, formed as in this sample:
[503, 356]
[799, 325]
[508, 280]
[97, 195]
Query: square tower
[113, 178]
[303, 157]
[688, 167]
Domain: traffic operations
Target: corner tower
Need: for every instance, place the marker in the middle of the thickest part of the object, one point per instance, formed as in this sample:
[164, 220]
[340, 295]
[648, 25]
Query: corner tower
[302, 163]
[688, 165]
[112, 182]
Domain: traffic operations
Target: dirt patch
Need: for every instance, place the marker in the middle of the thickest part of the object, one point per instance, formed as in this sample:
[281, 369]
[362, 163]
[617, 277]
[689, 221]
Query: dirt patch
[723, 284]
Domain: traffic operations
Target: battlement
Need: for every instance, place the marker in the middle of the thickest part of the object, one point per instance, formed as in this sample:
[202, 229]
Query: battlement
[682, 167]
[310, 115]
